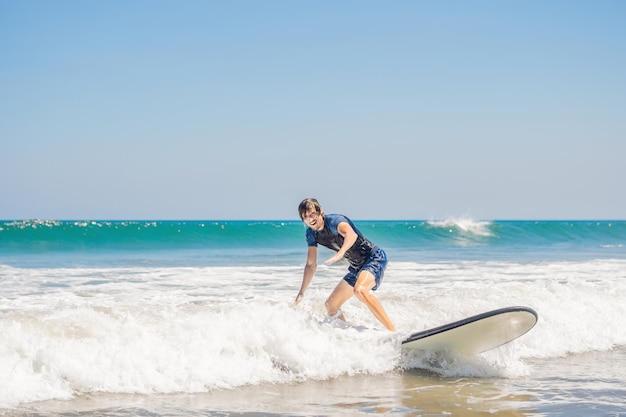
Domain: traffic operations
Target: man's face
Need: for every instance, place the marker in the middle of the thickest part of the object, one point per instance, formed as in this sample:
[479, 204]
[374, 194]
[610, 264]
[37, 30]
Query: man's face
[314, 219]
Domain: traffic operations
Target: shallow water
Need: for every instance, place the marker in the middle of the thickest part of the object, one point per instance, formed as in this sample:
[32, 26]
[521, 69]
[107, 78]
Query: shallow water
[589, 384]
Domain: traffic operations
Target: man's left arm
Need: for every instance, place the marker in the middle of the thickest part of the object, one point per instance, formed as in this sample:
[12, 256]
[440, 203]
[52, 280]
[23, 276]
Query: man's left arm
[349, 238]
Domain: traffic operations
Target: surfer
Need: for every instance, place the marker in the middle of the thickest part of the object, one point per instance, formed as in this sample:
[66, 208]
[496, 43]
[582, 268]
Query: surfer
[367, 261]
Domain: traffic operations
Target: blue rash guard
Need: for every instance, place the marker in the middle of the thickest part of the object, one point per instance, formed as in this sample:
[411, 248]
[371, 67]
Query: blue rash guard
[363, 255]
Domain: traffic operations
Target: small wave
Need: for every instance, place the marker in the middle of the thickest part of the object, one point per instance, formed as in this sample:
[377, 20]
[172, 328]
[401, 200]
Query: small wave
[33, 224]
[464, 225]
[496, 363]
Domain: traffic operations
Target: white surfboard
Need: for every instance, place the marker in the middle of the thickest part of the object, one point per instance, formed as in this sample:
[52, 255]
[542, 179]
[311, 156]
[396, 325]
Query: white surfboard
[475, 334]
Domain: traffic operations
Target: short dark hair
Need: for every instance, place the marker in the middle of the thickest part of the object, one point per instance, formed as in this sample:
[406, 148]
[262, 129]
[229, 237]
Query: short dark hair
[308, 204]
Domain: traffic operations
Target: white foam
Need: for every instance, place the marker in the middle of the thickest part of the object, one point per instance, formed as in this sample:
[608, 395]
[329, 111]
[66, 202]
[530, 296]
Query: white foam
[465, 227]
[147, 330]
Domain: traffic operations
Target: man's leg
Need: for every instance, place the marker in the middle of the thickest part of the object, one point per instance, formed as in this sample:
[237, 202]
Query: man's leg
[364, 284]
[342, 293]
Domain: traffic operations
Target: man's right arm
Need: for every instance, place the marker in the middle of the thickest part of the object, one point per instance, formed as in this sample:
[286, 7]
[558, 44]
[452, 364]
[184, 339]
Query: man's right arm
[309, 272]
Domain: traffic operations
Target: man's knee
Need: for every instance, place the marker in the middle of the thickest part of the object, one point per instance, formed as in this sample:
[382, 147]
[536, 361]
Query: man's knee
[364, 284]
[360, 291]
[333, 311]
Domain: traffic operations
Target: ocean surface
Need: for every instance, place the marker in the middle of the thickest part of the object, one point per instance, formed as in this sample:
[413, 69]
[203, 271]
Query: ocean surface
[194, 318]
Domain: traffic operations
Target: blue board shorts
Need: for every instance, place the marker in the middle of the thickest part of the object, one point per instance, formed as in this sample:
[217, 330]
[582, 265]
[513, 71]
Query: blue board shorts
[376, 265]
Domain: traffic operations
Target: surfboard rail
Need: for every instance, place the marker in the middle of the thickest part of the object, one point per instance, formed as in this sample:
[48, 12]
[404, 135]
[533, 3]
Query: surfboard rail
[477, 333]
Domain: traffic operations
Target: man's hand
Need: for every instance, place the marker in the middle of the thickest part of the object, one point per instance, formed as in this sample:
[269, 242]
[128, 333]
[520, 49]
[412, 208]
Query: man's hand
[297, 300]
[338, 256]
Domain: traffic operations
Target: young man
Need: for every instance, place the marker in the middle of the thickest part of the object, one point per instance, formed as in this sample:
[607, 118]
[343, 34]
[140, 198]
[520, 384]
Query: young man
[367, 261]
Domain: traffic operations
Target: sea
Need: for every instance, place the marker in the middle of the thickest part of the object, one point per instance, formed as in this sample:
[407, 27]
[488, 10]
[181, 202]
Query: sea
[195, 318]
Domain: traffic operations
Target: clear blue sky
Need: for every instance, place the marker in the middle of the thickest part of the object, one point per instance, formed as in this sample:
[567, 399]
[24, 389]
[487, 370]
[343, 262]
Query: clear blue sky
[381, 109]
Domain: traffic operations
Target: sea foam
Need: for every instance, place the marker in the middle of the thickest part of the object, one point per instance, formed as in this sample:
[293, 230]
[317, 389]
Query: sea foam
[164, 330]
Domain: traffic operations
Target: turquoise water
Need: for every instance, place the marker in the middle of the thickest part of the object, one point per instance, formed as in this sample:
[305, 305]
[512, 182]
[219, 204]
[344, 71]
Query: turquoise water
[194, 243]
[179, 318]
